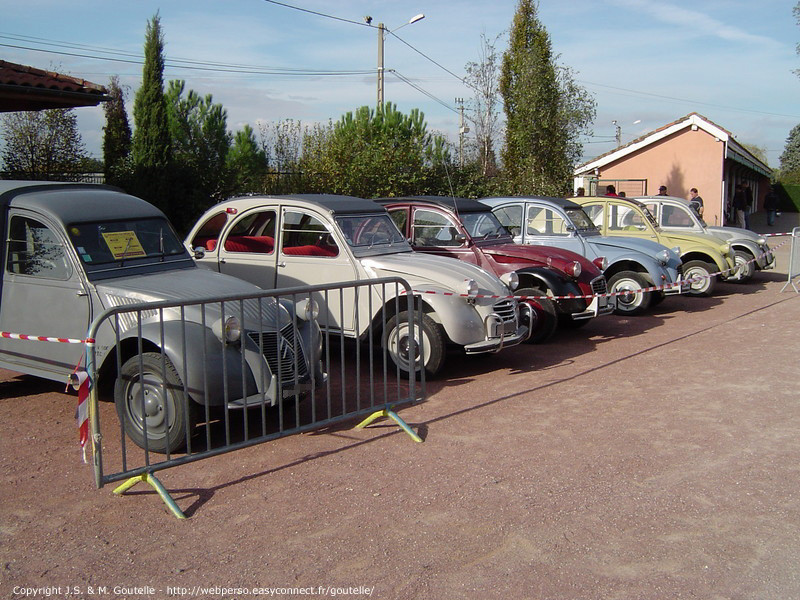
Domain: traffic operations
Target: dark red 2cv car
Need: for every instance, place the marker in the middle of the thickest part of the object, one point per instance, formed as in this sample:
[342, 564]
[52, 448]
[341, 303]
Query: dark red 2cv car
[468, 230]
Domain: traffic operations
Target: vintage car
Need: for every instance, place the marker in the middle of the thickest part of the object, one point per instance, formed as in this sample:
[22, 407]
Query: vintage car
[285, 241]
[634, 264]
[71, 251]
[467, 230]
[705, 258]
[750, 250]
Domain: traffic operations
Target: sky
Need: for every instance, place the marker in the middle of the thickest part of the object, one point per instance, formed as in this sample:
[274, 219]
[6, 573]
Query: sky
[646, 62]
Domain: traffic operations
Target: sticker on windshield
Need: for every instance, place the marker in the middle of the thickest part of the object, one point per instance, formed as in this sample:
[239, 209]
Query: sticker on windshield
[124, 244]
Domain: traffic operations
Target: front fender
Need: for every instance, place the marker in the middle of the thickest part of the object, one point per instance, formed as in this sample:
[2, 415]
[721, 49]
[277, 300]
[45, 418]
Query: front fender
[654, 269]
[548, 279]
[461, 321]
[212, 373]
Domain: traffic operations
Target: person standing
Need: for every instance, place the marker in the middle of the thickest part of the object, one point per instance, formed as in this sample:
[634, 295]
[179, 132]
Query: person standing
[611, 190]
[739, 205]
[771, 205]
[696, 202]
[662, 190]
[748, 200]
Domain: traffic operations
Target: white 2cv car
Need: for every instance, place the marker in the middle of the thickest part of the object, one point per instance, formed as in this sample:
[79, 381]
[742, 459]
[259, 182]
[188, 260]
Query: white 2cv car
[71, 251]
[286, 241]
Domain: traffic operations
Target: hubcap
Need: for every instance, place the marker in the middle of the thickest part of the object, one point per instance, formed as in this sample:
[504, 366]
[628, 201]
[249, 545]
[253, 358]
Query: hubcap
[154, 410]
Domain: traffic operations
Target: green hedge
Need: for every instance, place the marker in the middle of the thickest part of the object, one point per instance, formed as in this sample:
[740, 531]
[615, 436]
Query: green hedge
[789, 196]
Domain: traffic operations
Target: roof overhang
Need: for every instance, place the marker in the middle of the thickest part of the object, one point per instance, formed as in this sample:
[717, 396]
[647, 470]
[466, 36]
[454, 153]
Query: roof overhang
[24, 88]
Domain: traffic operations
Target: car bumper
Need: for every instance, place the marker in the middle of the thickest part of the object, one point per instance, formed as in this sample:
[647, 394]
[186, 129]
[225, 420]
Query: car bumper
[501, 334]
[600, 305]
[766, 260]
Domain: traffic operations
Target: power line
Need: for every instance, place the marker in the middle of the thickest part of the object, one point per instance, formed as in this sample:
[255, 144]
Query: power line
[319, 14]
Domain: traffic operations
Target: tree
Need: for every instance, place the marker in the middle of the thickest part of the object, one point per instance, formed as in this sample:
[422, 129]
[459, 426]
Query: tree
[151, 149]
[482, 77]
[43, 144]
[247, 162]
[116, 133]
[790, 159]
[371, 153]
[545, 110]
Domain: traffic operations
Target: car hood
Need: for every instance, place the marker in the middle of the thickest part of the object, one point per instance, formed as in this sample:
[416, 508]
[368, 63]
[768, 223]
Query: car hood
[685, 240]
[641, 245]
[189, 285]
[557, 258]
[734, 233]
[435, 272]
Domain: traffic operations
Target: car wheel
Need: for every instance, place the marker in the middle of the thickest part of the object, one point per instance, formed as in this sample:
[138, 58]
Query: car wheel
[699, 268]
[397, 342]
[545, 317]
[161, 414]
[628, 286]
[745, 265]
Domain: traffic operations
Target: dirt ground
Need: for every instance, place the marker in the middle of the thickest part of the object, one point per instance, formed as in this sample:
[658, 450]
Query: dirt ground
[635, 458]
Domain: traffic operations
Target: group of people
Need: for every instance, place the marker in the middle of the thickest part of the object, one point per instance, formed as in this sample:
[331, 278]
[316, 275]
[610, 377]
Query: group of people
[741, 204]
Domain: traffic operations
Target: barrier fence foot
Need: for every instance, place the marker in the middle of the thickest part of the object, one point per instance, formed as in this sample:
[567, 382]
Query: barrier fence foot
[390, 414]
[156, 485]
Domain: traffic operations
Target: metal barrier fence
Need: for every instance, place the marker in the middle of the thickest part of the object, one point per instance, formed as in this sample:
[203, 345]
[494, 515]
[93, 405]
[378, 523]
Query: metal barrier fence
[192, 380]
[794, 260]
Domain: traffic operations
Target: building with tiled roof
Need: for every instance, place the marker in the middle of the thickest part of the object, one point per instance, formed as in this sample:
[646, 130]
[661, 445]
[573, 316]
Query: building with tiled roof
[690, 152]
[29, 88]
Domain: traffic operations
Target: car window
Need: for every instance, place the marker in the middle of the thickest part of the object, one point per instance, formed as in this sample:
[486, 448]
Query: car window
[35, 250]
[305, 235]
[400, 217]
[208, 234]
[483, 225]
[625, 218]
[431, 228]
[595, 213]
[510, 217]
[545, 221]
[253, 232]
[675, 216]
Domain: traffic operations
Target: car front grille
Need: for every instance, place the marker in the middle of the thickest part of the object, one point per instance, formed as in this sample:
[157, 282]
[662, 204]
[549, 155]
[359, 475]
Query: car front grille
[284, 357]
[599, 285]
[506, 310]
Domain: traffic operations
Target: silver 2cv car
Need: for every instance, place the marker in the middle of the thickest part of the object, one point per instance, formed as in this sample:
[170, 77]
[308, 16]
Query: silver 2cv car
[285, 241]
[633, 264]
[71, 251]
[750, 250]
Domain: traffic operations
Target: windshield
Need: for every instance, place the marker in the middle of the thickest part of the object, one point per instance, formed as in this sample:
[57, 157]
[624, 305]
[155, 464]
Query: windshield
[483, 225]
[119, 241]
[580, 219]
[367, 231]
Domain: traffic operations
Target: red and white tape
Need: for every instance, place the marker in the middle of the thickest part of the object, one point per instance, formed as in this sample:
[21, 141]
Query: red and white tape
[42, 338]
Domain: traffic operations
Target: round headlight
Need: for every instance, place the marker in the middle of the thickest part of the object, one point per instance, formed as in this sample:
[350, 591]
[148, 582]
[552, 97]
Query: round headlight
[761, 240]
[472, 288]
[307, 309]
[511, 280]
[663, 257]
[228, 330]
[574, 269]
[725, 248]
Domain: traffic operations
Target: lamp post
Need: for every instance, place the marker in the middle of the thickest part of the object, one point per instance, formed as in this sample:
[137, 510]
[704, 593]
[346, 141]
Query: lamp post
[381, 37]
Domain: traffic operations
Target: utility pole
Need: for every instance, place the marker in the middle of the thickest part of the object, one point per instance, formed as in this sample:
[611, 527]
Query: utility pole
[618, 134]
[381, 37]
[462, 129]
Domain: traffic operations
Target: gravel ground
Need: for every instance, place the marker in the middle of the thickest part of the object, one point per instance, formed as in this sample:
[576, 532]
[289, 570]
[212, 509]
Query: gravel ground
[645, 457]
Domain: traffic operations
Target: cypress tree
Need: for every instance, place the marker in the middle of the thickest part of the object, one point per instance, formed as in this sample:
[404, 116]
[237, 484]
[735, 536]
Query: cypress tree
[117, 133]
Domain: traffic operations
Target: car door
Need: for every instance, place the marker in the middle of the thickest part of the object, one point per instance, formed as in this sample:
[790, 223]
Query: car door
[434, 232]
[547, 226]
[44, 294]
[510, 216]
[246, 248]
[623, 219]
[312, 252]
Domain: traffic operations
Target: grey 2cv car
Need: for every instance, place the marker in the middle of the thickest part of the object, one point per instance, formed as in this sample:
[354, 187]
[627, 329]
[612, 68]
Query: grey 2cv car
[633, 264]
[284, 241]
[71, 251]
[750, 250]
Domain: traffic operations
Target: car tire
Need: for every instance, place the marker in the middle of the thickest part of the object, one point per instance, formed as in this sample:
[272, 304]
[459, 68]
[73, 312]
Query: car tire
[395, 340]
[744, 261]
[163, 412]
[632, 301]
[700, 268]
[545, 316]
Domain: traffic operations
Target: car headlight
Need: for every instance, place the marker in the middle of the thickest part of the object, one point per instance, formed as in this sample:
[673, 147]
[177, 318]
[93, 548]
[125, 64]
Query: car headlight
[511, 280]
[663, 257]
[574, 269]
[761, 240]
[307, 309]
[725, 248]
[601, 262]
[472, 288]
[676, 250]
[228, 330]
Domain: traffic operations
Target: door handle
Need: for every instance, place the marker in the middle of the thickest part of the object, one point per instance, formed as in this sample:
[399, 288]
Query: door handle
[281, 264]
[80, 293]
[222, 261]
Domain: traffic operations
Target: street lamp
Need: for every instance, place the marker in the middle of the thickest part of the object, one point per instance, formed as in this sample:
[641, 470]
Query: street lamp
[381, 36]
